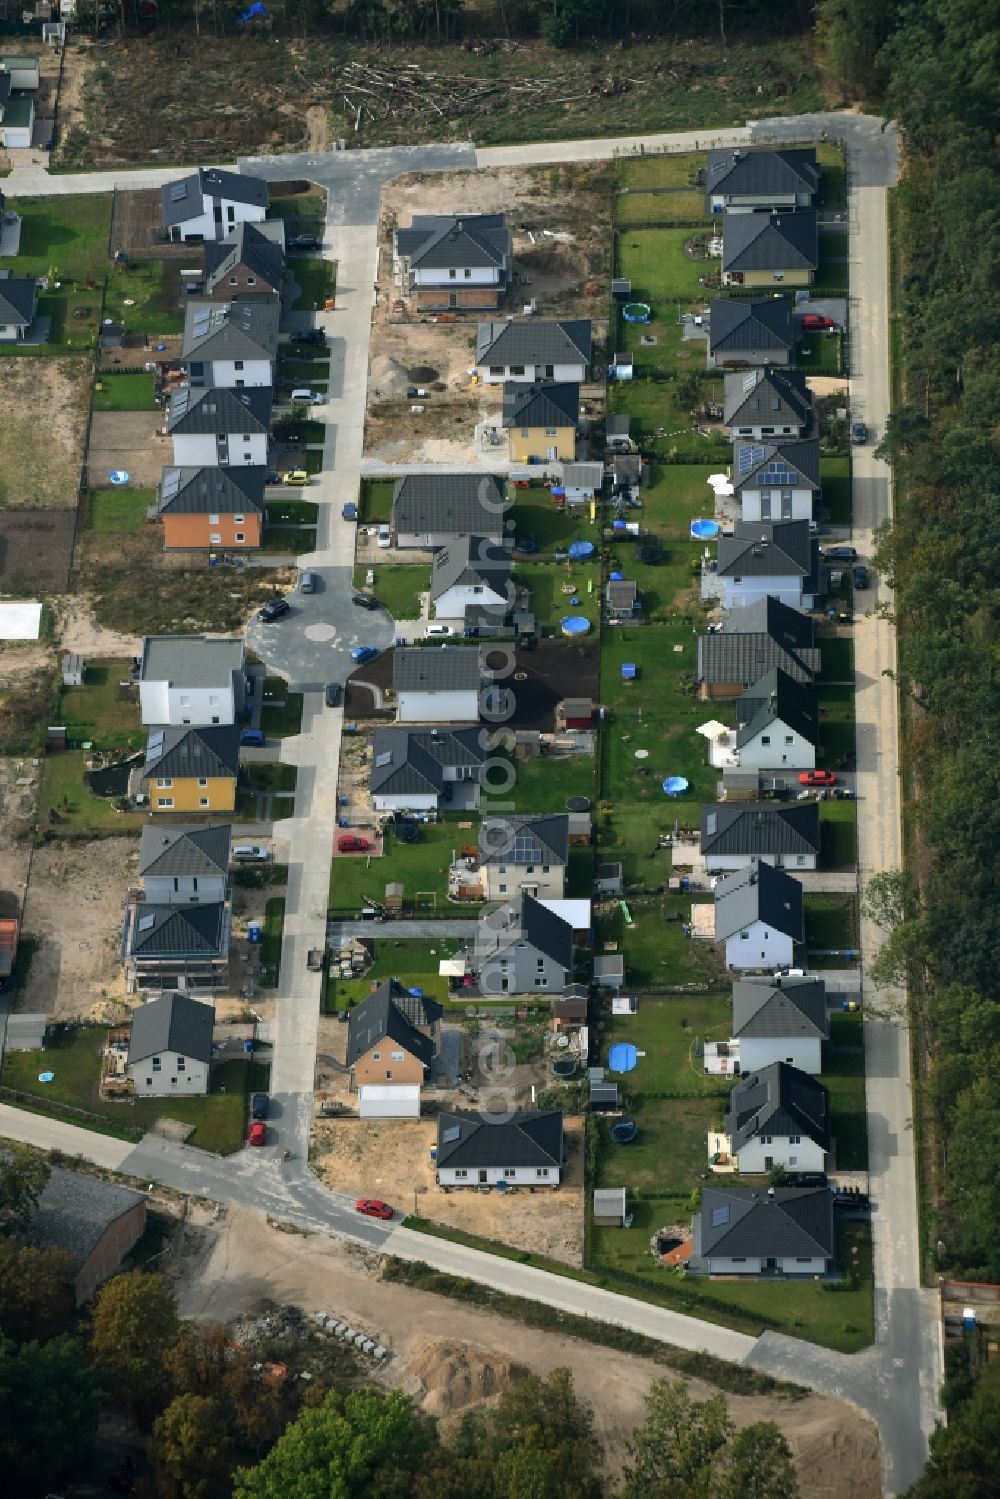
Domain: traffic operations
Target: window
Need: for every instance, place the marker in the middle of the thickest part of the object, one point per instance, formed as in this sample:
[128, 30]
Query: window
[779, 275]
[460, 1173]
[397, 1056]
[510, 1171]
[795, 1139]
[517, 369]
[803, 1259]
[202, 782]
[376, 1056]
[388, 1074]
[215, 538]
[789, 739]
[495, 369]
[452, 274]
[467, 274]
[765, 739]
[793, 1160]
[738, 1259]
[525, 431]
[173, 1082]
[541, 983]
[181, 1064]
[237, 364]
[149, 1082]
[540, 964]
[241, 537]
[541, 1170]
[503, 889]
[251, 281]
[203, 801]
[545, 869]
[177, 884]
[766, 1140]
[233, 281]
[550, 431]
[744, 936]
[156, 1063]
[164, 781]
[164, 801]
[238, 520]
[529, 869]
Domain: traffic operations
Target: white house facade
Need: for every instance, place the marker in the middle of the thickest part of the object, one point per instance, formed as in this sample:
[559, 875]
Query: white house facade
[759, 946]
[192, 680]
[226, 450]
[775, 748]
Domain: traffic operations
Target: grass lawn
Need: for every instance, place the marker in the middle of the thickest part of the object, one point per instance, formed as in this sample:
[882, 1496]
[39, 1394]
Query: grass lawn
[376, 499]
[300, 211]
[552, 529]
[66, 239]
[845, 1084]
[679, 206]
[657, 953]
[833, 178]
[117, 512]
[838, 825]
[75, 1058]
[317, 280]
[414, 963]
[100, 711]
[281, 710]
[835, 476]
[152, 288]
[397, 588]
[666, 1030]
[671, 1150]
[65, 791]
[657, 266]
[832, 276]
[820, 353]
[125, 392]
[269, 776]
[640, 172]
[543, 784]
[270, 947]
[309, 371]
[655, 407]
[546, 582]
[836, 724]
[291, 512]
[831, 922]
[421, 868]
[671, 352]
[837, 659]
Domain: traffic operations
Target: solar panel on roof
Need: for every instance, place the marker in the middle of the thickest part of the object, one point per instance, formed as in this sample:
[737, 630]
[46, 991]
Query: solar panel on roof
[749, 381]
[451, 1134]
[171, 482]
[383, 759]
[156, 739]
[146, 922]
[720, 1216]
[178, 191]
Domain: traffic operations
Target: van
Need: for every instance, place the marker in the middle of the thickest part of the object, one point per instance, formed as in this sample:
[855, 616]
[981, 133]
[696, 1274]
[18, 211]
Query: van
[310, 397]
[250, 853]
[307, 582]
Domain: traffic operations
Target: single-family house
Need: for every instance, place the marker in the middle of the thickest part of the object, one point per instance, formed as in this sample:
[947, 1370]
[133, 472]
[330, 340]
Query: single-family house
[186, 865]
[231, 344]
[435, 510]
[541, 421]
[392, 1039]
[210, 203]
[192, 769]
[425, 771]
[170, 1046]
[621, 600]
[203, 509]
[783, 1018]
[191, 679]
[95, 1221]
[769, 248]
[524, 853]
[777, 725]
[176, 947]
[471, 573]
[753, 641]
[777, 1117]
[501, 1150]
[225, 427]
[460, 263]
[521, 948]
[765, 403]
[781, 1231]
[762, 558]
[17, 115]
[737, 179]
[18, 306]
[245, 264]
[751, 330]
[759, 916]
[776, 480]
[734, 833]
[532, 349]
[437, 684]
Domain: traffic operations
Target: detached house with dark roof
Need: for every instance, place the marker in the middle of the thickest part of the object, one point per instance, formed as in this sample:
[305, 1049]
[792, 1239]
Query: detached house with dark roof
[437, 510]
[510, 1150]
[766, 403]
[777, 1117]
[471, 573]
[203, 509]
[192, 770]
[750, 331]
[765, 249]
[425, 771]
[521, 948]
[437, 684]
[782, 1018]
[753, 641]
[733, 834]
[776, 480]
[186, 865]
[761, 559]
[176, 947]
[541, 422]
[210, 203]
[530, 350]
[225, 427]
[463, 263]
[524, 853]
[392, 1039]
[780, 1231]
[759, 916]
[777, 725]
[246, 264]
[737, 179]
[231, 344]
[18, 305]
[170, 1046]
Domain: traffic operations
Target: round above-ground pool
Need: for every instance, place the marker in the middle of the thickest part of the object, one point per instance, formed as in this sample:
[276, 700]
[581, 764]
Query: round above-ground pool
[624, 1131]
[574, 625]
[637, 312]
[622, 1057]
[563, 1066]
[705, 530]
[675, 785]
[579, 549]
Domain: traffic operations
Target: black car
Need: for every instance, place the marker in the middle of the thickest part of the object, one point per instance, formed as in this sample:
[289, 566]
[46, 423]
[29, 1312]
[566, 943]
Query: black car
[259, 1105]
[365, 600]
[304, 242]
[805, 1179]
[841, 554]
[309, 336]
[859, 433]
[860, 576]
[334, 692]
[272, 610]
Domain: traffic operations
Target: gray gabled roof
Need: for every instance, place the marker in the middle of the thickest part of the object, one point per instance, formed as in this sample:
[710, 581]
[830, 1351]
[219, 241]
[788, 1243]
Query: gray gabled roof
[776, 698]
[546, 931]
[778, 1100]
[75, 1211]
[191, 660]
[211, 491]
[750, 655]
[446, 242]
[785, 1223]
[408, 761]
[17, 300]
[248, 247]
[738, 172]
[174, 1022]
[217, 411]
[534, 341]
[785, 240]
[759, 893]
[541, 405]
[765, 829]
[231, 330]
[177, 753]
[791, 628]
[188, 850]
[459, 504]
[162, 931]
[766, 398]
[768, 548]
[745, 325]
[532, 1138]
[524, 839]
[184, 198]
[448, 668]
[392, 1013]
[780, 1007]
[776, 464]
[472, 560]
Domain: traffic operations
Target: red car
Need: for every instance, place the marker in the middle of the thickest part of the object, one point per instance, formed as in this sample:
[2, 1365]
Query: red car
[352, 845]
[258, 1133]
[818, 778]
[372, 1208]
[816, 322]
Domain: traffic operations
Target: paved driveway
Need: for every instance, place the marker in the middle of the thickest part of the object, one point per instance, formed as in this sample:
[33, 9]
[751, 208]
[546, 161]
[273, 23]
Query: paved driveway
[312, 645]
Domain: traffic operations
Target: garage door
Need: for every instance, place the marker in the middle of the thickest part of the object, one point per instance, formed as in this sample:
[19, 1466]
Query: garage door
[383, 1102]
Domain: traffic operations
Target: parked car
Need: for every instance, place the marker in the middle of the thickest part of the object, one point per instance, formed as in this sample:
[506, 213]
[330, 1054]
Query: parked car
[350, 843]
[859, 576]
[840, 554]
[816, 321]
[307, 582]
[384, 537]
[254, 738]
[438, 632]
[805, 1179]
[362, 653]
[818, 778]
[349, 511]
[259, 1106]
[373, 1208]
[258, 1133]
[295, 476]
[304, 242]
[309, 335]
[859, 433]
[273, 609]
[334, 692]
[250, 853]
[365, 600]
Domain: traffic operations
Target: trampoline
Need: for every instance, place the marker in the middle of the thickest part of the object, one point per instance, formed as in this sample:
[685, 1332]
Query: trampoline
[622, 1057]
[577, 803]
[675, 785]
[578, 549]
[637, 312]
[624, 1131]
[705, 530]
[574, 625]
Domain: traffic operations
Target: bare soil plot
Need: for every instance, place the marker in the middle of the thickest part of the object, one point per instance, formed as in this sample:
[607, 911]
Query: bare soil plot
[35, 473]
[36, 549]
[73, 913]
[27, 698]
[78, 630]
[128, 440]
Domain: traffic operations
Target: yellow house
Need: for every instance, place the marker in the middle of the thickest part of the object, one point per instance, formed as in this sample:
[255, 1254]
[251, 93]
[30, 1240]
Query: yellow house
[770, 249]
[192, 770]
[541, 421]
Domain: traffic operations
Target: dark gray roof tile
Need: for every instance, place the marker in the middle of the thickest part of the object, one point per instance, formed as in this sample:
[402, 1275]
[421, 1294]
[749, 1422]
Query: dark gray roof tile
[532, 1138]
[778, 1100]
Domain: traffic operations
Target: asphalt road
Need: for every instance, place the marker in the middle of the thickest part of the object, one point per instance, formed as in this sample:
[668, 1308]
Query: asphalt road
[312, 644]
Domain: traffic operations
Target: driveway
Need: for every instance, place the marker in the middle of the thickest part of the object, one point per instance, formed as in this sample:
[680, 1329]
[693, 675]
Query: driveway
[312, 644]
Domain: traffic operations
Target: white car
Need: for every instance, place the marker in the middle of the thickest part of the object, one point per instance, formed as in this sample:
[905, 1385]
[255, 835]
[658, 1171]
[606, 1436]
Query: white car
[438, 631]
[384, 537]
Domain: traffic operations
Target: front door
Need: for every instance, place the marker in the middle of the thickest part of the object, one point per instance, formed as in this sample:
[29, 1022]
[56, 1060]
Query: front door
[770, 1264]
[482, 1178]
[769, 1163]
